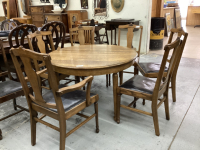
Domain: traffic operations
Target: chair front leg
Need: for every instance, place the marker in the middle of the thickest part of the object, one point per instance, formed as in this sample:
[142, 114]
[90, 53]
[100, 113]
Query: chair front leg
[173, 85]
[62, 123]
[1, 137]
[97, 116]
[33, 126]
[118, 107]
[155, 120]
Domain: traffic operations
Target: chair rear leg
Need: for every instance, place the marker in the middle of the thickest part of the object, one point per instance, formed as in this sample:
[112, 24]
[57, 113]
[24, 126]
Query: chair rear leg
[166, 103]
[33, 127]
[1, 137]
[173, 84]
[121, 77]
[107, 80]
[97, 116]
[14, 104]
[143, 102]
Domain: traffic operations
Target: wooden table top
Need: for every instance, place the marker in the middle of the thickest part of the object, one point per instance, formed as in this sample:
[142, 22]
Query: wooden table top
[92, 58]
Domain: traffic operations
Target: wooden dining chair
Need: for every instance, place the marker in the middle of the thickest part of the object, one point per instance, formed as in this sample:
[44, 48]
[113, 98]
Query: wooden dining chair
[151, 69]
[130, 28]
[9, 89]
[84, 35]
[146, 88]
[9, 24]
[58, 31]
[60, 103]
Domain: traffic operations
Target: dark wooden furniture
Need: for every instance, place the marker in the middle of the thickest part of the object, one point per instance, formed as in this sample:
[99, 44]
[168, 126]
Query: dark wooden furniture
[58, 31]
[93, 60]
[61, 103]
[146, 88]
[114, 23]
[151, 70]
[76, 15]
[37, 13]
[63, 17]
[9, 89]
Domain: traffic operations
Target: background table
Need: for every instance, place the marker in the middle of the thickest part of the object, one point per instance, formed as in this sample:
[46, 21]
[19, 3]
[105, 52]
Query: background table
[86, 60]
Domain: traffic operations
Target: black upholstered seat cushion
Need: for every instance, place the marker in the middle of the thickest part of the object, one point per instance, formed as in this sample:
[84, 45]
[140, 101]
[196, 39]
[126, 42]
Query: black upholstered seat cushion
[9, 87]
[151, 67]
[70, 100]
[140, 83]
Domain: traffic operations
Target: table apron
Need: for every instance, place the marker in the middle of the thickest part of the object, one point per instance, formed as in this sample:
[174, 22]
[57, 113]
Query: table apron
[93, 72]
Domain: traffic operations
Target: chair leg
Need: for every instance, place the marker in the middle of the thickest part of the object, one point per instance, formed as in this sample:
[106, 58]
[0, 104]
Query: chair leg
[155, 121]
[33, 127]
[121, 77]
[96, 117]
[166, 103]
[107, 80]
[143, 102]
[1, 137]
[83, 79]
[118, 107]
[62, 134]
[135, 71]
[173, 85]
[14, 104]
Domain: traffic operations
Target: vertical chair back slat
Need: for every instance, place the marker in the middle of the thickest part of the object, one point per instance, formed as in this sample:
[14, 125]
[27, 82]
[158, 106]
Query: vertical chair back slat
[130, 34]
[33, 75]
[83, 34]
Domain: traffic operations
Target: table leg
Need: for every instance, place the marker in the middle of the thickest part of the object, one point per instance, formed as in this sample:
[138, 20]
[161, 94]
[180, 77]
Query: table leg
[115, 84]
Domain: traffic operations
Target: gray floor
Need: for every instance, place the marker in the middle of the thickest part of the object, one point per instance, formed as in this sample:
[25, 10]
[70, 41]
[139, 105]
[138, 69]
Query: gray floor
[135, 131]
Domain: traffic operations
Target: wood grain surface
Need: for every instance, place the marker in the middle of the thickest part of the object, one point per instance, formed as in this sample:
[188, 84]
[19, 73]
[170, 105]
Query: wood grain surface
[92, 59]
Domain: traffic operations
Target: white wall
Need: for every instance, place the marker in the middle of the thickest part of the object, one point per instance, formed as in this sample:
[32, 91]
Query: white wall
[1, 9]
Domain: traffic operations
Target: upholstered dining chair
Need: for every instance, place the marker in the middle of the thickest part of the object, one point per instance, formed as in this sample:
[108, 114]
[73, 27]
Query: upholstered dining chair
[9, 89]
[58, 31]
[149, 89]
[151, 69]
[60, 103]
[130, 28]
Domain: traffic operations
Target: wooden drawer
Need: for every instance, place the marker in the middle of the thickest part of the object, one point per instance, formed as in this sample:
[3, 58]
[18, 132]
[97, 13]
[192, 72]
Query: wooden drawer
[38, 17]
[53, 17]
[38, 23]
[196, 10]
[37, 9]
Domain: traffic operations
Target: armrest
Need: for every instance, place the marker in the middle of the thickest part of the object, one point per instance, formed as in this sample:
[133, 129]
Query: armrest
[77, 87]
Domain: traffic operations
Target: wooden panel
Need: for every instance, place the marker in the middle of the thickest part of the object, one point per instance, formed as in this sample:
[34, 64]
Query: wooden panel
[37, 17]
[53, 18]
[193, 18]
[38, 23]
[47, 9]
[157, 8]
[37, 9]
[169, 10]
[13, 8]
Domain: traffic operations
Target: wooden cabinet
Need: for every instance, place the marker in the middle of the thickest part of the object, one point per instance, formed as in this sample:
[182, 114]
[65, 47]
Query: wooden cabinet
[63, 17]
[76, 15]
[37, 13]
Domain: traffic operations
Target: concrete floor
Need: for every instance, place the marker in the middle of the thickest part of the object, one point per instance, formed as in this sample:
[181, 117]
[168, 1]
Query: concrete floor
[136, 131]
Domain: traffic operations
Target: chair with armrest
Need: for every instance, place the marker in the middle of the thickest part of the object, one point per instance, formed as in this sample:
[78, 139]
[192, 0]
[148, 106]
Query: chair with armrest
[151, 69]
[60, 103]
[9, 89]
[146, 88]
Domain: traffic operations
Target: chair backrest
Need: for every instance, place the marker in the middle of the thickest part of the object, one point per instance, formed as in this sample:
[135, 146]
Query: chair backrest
[160, 86]
[9, 24]
[33, 73]
[183, 35]
[37, 37]
[130, 34]
[58, 31]
[7, 72]
[18, 36]
[82, 34]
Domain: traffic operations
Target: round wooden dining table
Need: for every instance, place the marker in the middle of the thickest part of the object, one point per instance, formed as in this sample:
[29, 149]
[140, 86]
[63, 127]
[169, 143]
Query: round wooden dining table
[93, 60]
